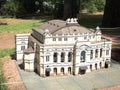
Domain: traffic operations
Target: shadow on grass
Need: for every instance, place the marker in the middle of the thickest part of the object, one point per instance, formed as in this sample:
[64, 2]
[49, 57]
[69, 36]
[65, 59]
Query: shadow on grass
[43, 18]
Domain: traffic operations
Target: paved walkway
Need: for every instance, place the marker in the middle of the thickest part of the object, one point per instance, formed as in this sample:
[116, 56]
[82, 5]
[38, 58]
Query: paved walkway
[90, 81]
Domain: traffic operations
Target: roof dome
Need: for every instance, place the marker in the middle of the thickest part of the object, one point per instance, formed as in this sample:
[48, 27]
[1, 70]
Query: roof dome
[62, 27]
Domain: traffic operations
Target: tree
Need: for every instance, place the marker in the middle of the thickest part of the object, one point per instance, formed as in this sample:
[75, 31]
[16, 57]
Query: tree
[111, 16]
[71, 8]
[12, 8]
[93, 5]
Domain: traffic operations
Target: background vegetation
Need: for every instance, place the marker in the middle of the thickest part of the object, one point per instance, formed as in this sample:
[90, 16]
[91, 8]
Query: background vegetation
[56, 8]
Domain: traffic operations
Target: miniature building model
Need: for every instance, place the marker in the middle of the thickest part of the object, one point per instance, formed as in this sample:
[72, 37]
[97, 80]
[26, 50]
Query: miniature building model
[62, 48]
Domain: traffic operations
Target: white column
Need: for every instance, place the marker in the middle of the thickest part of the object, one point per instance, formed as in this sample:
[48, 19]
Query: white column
[66, 70]
[104, 53]
[51, 57]
[58, 70]
[98, 53]
[93, 66]
[102, 64]
[88, 70]
[98, 65]
[93, 53]
[66, 57]
[59, 57]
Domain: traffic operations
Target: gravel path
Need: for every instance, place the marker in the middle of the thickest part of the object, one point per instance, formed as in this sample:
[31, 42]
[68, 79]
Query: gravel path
[11, 73]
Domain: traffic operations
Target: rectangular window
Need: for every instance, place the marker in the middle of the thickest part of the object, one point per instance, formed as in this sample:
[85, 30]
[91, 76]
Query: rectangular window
[22, 47]
[91, 55]
[59, 39]
[54, 39]
[107, 52]
[75, 38]
[47, 58]
[65, 39]
[85, 37]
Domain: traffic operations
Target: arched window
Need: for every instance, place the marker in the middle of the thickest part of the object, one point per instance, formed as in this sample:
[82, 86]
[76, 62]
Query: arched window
[69, 56]
[55, 57]
[83, 56]
[62, 57]
[62, 70]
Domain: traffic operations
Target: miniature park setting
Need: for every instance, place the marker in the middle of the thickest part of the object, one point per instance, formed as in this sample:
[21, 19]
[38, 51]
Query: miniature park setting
[45, 49]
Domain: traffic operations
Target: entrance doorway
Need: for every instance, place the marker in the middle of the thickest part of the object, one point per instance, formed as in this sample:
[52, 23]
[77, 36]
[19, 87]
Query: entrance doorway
[69, 70]
[82, 71]
[55, 71]
[100, 65]
[96, 66]
[106, 65]
[91, 67]
[62, 71]
[47, 73]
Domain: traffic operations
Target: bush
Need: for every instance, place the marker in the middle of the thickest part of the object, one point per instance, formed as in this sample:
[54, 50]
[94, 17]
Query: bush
[12, 8]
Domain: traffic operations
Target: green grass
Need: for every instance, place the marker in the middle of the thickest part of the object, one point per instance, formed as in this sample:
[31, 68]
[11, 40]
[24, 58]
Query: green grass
[2, 78]
[90, 21]
[6, 52]
[24, 26]
[3, 53]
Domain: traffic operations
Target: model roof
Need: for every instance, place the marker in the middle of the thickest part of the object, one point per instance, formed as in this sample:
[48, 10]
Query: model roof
[62, 27]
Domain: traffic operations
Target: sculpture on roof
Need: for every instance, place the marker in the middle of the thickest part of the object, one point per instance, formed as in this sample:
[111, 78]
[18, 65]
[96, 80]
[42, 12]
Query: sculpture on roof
[72, 20]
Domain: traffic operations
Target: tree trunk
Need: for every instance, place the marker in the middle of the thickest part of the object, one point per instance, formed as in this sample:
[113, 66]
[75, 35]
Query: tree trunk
[71, 8]
[111, 16]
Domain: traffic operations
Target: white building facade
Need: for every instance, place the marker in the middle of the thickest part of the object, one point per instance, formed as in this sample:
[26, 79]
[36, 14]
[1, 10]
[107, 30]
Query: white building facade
[64, 48]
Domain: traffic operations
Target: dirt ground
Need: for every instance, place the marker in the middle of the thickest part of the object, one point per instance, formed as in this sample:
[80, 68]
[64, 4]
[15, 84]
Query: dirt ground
[13, 78]
[7, 40]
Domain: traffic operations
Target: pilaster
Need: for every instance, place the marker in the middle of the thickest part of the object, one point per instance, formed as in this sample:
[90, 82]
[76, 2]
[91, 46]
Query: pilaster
[66, 57]
[59, 57]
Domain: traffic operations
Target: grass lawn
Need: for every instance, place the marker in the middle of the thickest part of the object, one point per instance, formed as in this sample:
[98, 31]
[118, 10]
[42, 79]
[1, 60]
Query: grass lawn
[19, 25]
[2, 78]
[6, 52]
[25, 25]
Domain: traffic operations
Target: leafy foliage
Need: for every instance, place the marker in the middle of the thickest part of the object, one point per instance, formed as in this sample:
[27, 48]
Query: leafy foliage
[57, 8]
[93, 5]
[12, 8]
